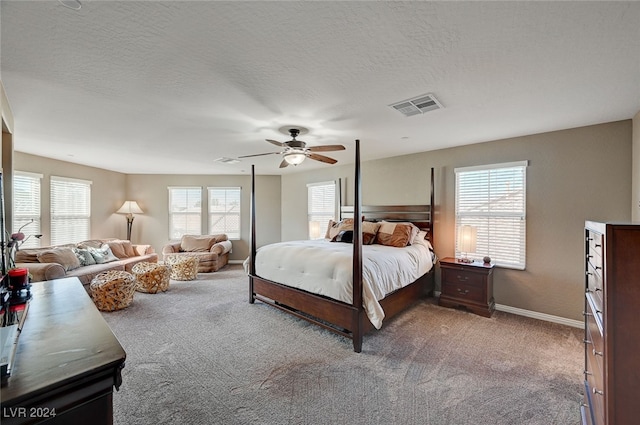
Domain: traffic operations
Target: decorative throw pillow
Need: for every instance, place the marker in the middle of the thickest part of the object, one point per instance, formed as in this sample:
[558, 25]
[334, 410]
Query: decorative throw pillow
[27, 255]
[344, 236]
[398, 235]
[337, 227]
[91, 243]
[63, 256]
[368, 238]
[84, 256]
[121, 248]
[347, 236]
[103, 254]
[117, 248]
[193, 243]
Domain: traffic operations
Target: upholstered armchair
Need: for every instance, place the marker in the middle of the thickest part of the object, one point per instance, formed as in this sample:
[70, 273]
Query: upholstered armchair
[211, 250]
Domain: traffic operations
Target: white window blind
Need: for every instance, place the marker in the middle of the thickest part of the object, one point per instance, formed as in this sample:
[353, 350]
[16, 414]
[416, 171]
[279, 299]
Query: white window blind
[224, 211]
[185, 211]
[321, 207]
[493, 199]
[26, 207]
[70, 210]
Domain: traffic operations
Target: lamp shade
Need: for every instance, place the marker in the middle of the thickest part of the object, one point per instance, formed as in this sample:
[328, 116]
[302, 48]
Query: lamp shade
[130, 207]
[314, 230]
[295, 157]
[467, 238]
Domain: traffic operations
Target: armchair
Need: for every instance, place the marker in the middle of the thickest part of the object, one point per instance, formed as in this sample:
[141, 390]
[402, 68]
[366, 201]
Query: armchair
[211, 250]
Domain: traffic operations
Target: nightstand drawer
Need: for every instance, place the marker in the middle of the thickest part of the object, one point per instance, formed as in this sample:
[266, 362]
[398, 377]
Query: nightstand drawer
[464, 292]
[455, 276]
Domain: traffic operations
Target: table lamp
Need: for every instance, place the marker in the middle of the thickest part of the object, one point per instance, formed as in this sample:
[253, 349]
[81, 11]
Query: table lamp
[467, 238]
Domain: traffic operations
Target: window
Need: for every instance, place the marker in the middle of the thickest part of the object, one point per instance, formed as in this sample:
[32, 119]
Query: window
[224, 211]
[321, 207]
[493, 199]
[185, 211]
[70, 210]
[26, 207]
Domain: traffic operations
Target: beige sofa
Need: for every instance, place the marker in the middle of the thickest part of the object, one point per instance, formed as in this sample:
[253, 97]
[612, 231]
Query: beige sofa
[72, 260]
[211, 250]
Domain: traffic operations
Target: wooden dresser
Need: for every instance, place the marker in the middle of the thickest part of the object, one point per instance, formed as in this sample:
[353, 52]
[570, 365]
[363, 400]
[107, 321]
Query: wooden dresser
[67, 362]
[612, 324]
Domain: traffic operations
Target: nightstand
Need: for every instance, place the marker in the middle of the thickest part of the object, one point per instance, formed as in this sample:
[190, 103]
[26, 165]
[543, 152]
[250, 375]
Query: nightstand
[467, 284]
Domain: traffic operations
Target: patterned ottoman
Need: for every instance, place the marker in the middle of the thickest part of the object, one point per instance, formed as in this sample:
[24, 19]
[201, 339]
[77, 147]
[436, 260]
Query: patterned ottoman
[183, 267]
[113, 290]
[151, 277]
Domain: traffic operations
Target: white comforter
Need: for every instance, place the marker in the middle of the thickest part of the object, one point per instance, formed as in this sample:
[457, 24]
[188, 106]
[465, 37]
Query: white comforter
[325, 268]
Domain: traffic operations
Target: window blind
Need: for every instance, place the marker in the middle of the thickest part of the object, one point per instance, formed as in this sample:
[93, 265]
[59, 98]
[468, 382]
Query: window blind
[70, 210]
[224, 211]
[26, 207]
[321, 207]
[493, 199]
[185, 211]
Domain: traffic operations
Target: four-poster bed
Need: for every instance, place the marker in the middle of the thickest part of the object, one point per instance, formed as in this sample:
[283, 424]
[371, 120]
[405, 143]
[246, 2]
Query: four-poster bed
[349, 317]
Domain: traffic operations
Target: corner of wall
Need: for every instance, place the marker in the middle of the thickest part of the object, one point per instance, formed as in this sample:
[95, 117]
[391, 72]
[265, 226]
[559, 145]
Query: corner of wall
[635, 169]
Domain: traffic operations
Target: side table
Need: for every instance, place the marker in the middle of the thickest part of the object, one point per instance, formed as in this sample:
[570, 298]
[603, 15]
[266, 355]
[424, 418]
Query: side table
[467, 284]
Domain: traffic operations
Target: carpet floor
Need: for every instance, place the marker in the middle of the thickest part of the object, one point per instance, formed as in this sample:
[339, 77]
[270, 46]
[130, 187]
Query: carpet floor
[201, 354]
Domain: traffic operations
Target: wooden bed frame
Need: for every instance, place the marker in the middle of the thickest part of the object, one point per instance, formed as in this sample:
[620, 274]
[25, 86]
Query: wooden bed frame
[349, 320]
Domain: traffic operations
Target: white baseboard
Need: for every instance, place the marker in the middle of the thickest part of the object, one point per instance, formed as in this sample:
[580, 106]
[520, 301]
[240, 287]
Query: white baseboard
[235, 261]
[535, 315]
[541, 316]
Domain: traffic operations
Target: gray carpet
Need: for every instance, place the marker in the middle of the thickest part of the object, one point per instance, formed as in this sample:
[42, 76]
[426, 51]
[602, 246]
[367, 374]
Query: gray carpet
[201, 354]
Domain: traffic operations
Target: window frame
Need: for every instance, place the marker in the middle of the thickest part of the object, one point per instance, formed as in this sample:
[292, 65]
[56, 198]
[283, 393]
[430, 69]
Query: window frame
[315, 231]
[73, 215]
[32, 222]
[231, 234]
[188, 231]
[507, 218]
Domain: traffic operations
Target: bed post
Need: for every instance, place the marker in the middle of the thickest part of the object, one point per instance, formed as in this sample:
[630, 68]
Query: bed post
[252, 235]
[339, 199]
[432, 207]
[357, 328]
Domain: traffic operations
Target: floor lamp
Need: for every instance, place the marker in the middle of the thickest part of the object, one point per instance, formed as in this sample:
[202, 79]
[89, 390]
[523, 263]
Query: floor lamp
[130, 208]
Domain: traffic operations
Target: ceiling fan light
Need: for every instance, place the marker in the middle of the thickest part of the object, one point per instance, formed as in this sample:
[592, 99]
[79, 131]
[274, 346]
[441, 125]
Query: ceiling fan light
[294, 158]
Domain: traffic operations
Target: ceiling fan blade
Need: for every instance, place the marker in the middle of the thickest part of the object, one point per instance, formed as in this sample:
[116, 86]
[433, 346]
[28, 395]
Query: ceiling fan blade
[283, 164]
[259, 154]
[275, 142]
[322, 158]
[326, 148]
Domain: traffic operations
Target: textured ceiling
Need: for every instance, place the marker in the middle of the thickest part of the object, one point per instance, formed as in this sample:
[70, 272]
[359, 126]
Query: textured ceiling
[167, 87]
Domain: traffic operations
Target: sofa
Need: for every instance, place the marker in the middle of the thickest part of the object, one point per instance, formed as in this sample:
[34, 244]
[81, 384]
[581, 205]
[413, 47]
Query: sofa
[211, 250]
[83, 260]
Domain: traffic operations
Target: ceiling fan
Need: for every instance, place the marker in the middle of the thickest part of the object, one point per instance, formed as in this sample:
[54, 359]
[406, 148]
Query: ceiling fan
[295, 151]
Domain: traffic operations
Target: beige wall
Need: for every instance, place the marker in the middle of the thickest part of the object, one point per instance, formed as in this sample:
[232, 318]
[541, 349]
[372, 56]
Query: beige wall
[573, 175]
[6, 149]
[110, 189]
[107, 193]
[151, 193]
[635, 179]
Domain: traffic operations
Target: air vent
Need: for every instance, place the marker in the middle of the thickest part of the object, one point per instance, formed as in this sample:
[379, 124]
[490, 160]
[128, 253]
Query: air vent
[417, 105]
[226, 160]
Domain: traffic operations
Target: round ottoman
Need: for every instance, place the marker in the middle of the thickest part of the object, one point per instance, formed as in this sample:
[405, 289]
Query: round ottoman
[151, 277]
[183, 267]
[113, 290]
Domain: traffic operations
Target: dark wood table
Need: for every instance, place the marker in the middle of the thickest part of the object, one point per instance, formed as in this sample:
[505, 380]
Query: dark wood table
[67, 362]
